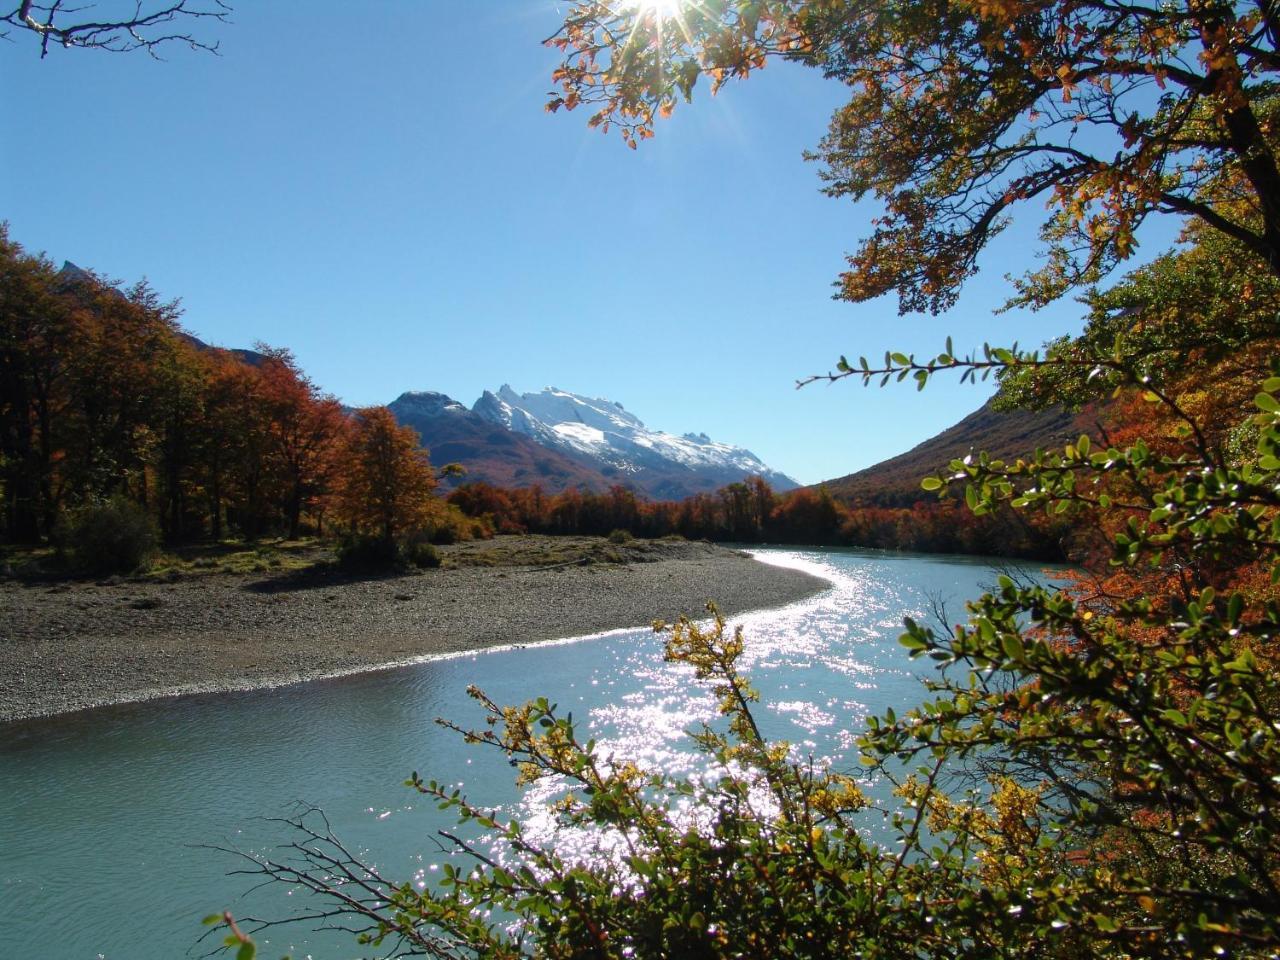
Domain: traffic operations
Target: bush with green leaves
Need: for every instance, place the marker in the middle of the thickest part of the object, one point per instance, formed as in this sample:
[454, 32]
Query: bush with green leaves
[422, 554]
[1089, 777]
[112, 536]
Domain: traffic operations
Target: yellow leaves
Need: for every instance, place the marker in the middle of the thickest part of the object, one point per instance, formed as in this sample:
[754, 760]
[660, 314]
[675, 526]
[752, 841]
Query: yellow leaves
[838, 794]
[628, 773]
[1002, 12]
[1066, 77]
[1017, 813]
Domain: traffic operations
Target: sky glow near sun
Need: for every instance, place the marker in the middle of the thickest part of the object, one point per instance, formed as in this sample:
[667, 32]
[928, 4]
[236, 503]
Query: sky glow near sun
[661, 10]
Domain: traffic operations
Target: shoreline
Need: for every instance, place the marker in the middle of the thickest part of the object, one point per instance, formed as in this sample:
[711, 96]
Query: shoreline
[67, 648]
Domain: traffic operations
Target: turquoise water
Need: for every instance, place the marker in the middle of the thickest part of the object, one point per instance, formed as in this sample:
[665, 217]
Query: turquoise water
[107, 817]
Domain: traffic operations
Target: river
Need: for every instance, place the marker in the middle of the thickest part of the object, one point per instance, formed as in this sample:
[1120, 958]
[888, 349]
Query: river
[108, 818]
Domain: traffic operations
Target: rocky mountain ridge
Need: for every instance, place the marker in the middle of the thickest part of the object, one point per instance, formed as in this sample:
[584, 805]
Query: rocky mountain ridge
[560, 439]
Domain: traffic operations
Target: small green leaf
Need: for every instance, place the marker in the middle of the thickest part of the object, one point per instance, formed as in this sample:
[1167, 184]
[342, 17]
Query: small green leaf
[1011, 643]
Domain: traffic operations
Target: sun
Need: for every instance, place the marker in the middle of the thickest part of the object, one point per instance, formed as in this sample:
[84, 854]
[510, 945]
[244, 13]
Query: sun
[662, 9]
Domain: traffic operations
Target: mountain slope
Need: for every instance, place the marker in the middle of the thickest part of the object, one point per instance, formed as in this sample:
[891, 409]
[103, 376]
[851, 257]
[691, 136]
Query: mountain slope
[1006, 435]
[602, 432]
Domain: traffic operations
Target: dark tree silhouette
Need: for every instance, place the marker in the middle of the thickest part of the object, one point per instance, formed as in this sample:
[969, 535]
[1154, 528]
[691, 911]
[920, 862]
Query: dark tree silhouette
[122, 27]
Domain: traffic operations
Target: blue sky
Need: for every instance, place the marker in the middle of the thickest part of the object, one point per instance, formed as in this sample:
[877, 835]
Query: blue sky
[384, 195]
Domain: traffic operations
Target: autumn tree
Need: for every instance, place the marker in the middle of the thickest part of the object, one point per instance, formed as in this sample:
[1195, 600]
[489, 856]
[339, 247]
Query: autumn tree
[1188, 309]
[112, 386]
[386, 483]
[303, 425]
[1105, 112]
[808, 516]
[177, 412]
[35, 330]
[222, 431]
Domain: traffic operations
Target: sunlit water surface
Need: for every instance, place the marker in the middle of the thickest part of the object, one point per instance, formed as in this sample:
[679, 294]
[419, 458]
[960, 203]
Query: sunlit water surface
[108, 818]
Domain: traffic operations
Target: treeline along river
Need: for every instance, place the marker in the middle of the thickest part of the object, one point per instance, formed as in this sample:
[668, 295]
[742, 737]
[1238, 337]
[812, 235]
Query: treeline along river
[108, 818]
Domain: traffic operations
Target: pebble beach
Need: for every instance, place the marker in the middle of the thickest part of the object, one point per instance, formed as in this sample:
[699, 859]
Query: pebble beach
[70, 646]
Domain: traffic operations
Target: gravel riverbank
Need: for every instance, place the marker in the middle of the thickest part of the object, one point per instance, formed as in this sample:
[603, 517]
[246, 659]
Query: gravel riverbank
[67, 646]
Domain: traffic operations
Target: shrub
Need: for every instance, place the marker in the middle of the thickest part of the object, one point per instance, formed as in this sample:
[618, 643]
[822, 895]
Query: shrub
[445, 535]
[359, 551]
[114, 536]
[620, 536]
[422, 554]
[448, 524]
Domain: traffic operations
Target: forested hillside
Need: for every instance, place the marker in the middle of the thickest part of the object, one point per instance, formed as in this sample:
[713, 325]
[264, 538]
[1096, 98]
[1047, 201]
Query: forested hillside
[1007, 434]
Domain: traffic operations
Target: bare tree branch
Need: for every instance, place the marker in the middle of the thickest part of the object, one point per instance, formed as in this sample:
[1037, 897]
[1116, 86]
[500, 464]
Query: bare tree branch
[127, 26]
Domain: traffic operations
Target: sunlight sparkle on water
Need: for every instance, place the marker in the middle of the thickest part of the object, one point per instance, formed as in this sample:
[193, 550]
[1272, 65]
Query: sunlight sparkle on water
[811, 661]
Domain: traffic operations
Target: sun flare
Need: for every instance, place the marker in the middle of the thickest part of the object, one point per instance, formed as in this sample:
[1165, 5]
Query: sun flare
[662, 9]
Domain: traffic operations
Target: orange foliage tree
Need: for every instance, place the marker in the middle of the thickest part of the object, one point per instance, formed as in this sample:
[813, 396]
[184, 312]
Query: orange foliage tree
[102, 396]
[386, 481]
[303, 425]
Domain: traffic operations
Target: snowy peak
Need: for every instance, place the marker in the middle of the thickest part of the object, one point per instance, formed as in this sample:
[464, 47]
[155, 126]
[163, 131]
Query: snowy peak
[552, 406]
[605, 432]
[493, 407]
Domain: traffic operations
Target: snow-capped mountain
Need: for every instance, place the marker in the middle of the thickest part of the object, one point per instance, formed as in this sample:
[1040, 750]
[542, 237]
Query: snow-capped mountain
[488, 450]
[660, 463]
